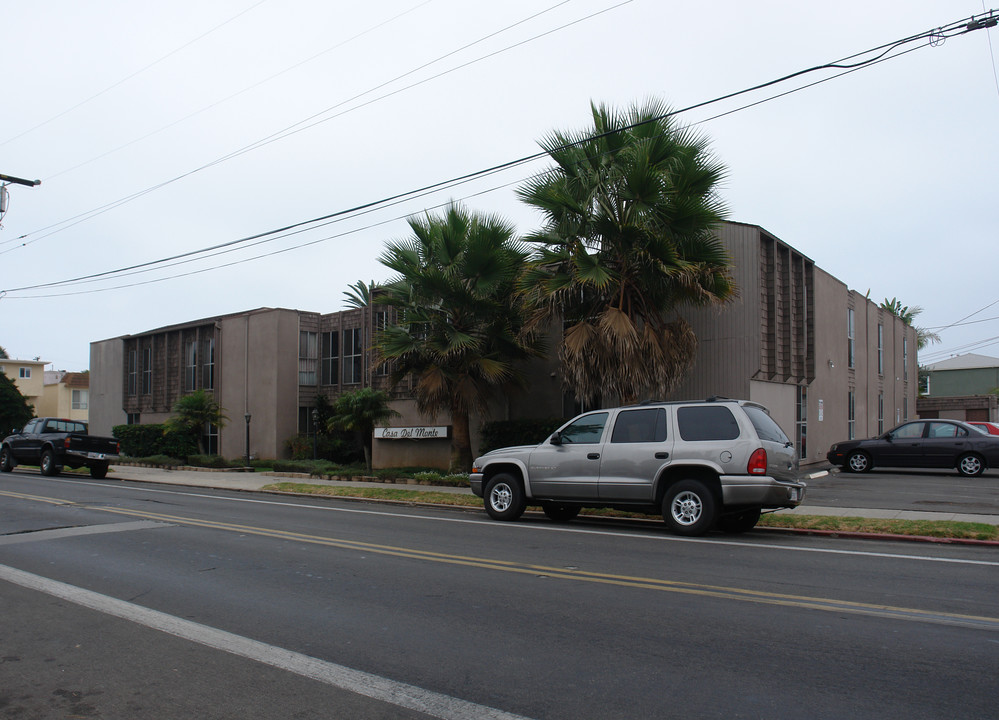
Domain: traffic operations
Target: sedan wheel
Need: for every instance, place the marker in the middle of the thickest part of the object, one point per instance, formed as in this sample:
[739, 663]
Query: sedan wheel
[970, 465]
[858, 462]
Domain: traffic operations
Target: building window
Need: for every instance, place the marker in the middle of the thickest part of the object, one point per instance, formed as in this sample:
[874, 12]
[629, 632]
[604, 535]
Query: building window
[132, 419]
[211, 438]
[208, 371]
[308, 357]
[924, 385]
[353, 351]
[147, 371]
[881, 349]
[133, 373]
[330, 358]
[881, 413]
[24, 373]
[801, 421]
[905, 358]
[905, 408]
[381, 322]
[850, 337]
[851, 415]
[191, 374]
[80, 399]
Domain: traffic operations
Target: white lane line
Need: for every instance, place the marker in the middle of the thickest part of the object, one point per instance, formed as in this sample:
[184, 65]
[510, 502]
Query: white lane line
[57, 533]
[361, 683]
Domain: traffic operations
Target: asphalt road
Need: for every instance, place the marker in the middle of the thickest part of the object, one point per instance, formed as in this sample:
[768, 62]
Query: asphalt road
[943, 491]
[133, 601]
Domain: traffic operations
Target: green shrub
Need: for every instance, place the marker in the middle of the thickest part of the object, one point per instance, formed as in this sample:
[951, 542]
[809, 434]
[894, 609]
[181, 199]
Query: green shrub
[507, 433]
[337, 447]
[144, 441]
[211, 461]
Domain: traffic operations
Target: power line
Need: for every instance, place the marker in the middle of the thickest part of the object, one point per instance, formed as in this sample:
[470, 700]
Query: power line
[312, 121]
[883, 51]
[134, 74]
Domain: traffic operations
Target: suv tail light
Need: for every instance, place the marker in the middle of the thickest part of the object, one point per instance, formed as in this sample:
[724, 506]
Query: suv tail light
[757, 462]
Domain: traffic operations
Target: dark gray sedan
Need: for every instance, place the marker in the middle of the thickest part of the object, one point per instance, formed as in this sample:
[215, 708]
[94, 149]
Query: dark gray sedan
[921, 444]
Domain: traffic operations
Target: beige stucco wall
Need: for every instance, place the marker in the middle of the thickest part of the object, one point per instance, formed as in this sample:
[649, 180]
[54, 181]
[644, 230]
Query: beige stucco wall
[106, 388]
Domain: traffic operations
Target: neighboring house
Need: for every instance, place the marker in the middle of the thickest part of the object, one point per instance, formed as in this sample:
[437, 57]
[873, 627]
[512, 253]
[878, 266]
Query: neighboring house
[962, 387]
[968, 374]
[29, 376]
[65, 395]
[829, 363]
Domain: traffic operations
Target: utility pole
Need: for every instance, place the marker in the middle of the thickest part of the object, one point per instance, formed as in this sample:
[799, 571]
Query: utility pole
[4, 179]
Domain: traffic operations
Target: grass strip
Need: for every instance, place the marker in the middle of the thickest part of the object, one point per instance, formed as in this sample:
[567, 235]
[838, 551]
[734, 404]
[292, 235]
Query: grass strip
[831, 523]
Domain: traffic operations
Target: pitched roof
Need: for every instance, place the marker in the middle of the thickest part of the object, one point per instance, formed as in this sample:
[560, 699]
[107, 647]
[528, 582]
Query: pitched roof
[965, 362]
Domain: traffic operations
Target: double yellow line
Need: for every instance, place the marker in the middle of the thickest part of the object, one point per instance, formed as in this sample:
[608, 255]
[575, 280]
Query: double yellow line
[545, 571]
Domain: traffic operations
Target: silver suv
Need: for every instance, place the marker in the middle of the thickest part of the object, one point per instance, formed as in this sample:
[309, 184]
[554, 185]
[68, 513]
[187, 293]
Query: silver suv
[714, 463]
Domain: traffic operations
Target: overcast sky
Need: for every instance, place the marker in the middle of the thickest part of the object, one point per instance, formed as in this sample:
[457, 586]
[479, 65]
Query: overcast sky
[159, 129]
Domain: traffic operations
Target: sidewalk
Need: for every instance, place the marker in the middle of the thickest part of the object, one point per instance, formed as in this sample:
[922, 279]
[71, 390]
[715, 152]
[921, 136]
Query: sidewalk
[248, 481]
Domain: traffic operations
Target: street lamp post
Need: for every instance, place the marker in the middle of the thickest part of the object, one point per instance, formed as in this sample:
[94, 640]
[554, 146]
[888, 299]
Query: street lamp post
[247, 418]
[315, 434]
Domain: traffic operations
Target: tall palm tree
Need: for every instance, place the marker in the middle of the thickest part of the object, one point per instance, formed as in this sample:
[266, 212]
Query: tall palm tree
[629, 213]
[458, 330]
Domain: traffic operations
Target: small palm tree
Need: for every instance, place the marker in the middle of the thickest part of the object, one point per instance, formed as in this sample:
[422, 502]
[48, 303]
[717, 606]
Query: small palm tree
[630, 211]
[194, 413]
[361, 411]
[908, 314]
[459, 330]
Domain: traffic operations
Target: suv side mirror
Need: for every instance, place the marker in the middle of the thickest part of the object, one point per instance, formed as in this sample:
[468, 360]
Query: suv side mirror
[556, 438]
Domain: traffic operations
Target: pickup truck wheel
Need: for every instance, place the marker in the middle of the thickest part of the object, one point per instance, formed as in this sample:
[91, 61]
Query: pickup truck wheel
[504, 498]
[689, 508]
[558, 512]
[99, 472]
[739, 522]
[6, 460]
[48, 464]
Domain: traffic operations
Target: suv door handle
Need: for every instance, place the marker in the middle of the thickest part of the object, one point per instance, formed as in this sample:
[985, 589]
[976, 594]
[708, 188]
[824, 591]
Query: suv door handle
[593, 456]
[662, 455]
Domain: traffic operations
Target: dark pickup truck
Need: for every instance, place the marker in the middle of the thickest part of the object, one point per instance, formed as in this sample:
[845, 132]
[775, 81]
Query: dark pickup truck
[55, 443]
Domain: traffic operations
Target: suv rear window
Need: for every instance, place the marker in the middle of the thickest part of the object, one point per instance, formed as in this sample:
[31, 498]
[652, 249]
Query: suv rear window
[766, 427]
[707, 422]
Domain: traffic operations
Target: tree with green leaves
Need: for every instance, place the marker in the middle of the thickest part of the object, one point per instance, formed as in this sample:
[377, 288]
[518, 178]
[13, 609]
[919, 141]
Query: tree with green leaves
[360, 411]
[194, 413]
[630, 212]
[359, 294]
[459, 327]
[15, 410]
[3, 354]
[908, 315]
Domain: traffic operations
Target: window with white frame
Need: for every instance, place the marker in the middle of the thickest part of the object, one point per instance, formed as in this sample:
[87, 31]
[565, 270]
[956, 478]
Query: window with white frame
[851, 415]
[905, 358]
[881, 412]
[308, 357]
[80, 399]
[24, 373]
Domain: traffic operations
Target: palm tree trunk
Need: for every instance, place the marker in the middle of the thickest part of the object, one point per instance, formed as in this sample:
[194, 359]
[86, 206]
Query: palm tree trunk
[461, 442]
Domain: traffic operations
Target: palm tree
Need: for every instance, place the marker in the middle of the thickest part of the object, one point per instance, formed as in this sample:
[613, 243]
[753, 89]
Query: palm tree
[360, 411]
[458, 331]
[359, 294]
[908, 314]
[630, 209]
[193, 413]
